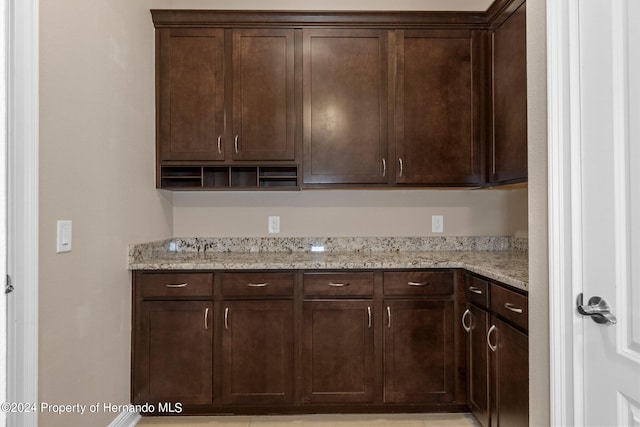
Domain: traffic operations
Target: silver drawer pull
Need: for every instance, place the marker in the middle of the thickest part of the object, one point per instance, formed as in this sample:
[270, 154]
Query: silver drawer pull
[226, 317]
[257, 285]
[388, 317]
[475, 290]
[512, 307]
[418, 283]
[369, 316]
[177, 285]
[489, 332]
[206, 319]
[338, 285]
[464, 325]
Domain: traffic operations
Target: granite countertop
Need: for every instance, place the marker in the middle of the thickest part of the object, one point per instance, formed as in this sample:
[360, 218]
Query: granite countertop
[508, 266]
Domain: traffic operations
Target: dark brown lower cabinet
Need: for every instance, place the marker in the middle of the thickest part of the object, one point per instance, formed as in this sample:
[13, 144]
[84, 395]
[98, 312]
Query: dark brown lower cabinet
[419, 358]
[338, 351]
[257, 347]
[497, 354]
[510, 376]
[174, 352]
[477, 322]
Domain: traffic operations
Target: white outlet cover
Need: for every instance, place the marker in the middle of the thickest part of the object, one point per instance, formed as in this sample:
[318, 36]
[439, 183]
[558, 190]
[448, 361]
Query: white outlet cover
[437, 224]
[274, 224]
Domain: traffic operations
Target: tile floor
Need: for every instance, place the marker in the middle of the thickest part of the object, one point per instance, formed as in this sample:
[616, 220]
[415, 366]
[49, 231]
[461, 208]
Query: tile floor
[347, 420]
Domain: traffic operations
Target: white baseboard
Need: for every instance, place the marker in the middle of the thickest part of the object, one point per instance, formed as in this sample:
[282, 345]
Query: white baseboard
[126, 419]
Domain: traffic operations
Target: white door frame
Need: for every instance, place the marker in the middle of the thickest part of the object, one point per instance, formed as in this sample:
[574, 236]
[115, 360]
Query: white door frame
[23, 150]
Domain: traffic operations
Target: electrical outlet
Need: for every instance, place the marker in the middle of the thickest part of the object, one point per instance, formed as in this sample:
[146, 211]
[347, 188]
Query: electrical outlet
[437, 224]
[274, 224]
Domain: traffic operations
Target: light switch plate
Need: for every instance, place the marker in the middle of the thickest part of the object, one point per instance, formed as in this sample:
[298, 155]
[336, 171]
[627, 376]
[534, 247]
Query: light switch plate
[64, 236]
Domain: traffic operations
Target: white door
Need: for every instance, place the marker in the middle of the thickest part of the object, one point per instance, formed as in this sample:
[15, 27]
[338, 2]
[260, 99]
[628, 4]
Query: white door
[597, 154]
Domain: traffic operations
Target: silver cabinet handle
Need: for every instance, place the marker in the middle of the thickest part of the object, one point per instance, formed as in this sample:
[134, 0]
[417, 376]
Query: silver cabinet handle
[338, 285]
[388, 317]
[177, 285]
[369, 316]
[384, 167]
[418, 283]
[257, 285]
[401, 166]
[235, 144]
[206, 319]
[226, 317]
[475, 290]
[219, 144]
[464, 316]
[512, 307]
[491, 346]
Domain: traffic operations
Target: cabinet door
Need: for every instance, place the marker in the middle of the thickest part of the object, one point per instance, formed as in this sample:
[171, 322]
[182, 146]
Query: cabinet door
[437, 108]
[173, 352]
[263, 94]
[510, 377]
[419, 352]
[338, 351]
[257, 347]
[345, 106]
[508, 148]
[190, 94]
[478, 363]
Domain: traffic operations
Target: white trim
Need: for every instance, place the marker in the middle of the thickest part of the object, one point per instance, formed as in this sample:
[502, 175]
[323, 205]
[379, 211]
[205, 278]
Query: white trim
[565, 216]
[126, 419]
[23, 207]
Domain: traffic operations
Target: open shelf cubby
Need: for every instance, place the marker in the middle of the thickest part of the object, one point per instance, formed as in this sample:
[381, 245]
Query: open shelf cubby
[229, 177]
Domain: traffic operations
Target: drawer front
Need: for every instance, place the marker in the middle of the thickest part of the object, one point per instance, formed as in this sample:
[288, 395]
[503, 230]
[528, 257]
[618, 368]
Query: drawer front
[257, 284]
[338, 284]
[175, 284]
[510, 305]
[477, 291]
[418, 283]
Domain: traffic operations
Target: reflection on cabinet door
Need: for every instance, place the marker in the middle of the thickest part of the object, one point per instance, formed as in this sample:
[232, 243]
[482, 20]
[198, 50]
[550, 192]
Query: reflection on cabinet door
[345, 106]
[257, 347]
[419, 351]
[338, 351]
[174, 352]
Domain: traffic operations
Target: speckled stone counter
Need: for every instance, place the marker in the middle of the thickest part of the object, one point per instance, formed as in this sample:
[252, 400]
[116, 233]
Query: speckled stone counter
[478, 255]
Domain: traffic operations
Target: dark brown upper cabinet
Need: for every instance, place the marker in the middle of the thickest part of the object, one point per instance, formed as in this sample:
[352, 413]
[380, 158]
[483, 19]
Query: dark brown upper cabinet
[345, 107]
[283, 100]
[263, 94]
[507, 147]
[207, 76]
[438, 108]
[190, 93]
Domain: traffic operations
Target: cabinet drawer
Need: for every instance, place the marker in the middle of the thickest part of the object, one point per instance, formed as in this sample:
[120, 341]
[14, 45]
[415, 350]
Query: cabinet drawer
[257, 284]
[477, 291]
[418, 283]
[175, 284]
[510, 305]
[338, 284]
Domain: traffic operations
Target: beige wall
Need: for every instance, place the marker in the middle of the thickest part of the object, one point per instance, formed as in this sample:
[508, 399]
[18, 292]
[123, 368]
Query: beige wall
[96, 169]
[351, 213]
[96, 135]
[538, 230]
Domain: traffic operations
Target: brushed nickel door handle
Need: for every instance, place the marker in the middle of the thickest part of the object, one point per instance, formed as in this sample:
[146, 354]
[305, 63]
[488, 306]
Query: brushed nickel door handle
[512, 307]
[235, 144]
[226, 317]
[206, 319]
[369, 316]
[475, 290]
[384, 167]
[220, 144]
[177, 285]
[401, 166]
[418, 283]
[258, 285]
[338, 285]
[388, 317]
